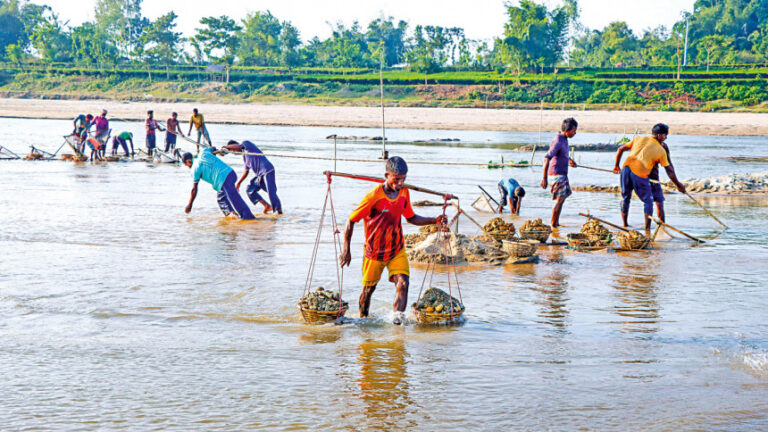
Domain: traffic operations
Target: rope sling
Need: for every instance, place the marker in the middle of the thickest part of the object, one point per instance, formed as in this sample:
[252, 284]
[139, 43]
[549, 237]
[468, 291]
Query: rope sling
[327, 204]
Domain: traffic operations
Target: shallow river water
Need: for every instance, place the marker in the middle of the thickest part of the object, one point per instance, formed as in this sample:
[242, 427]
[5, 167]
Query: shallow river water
[118, 311]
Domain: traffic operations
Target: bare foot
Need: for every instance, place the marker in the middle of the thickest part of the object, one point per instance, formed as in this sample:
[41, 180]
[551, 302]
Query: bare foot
[267, 208]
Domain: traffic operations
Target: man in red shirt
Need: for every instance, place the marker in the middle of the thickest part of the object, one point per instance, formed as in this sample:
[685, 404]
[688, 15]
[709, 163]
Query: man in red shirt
[381, 209]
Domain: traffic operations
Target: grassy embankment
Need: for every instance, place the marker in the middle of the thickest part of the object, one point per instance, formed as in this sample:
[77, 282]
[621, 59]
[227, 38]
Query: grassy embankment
[721, 89]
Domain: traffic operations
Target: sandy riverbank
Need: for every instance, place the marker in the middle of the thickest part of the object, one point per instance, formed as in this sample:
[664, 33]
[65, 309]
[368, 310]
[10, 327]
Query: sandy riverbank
[733, 124]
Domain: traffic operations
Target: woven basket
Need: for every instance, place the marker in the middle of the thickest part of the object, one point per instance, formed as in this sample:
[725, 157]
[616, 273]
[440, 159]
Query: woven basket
[598, 240]
[312, 316]
[540, 235]
[500, 237]
[520, 249]
[67, 156]
[633, 244]
[113, 158]
[436, 317]
[579, 240]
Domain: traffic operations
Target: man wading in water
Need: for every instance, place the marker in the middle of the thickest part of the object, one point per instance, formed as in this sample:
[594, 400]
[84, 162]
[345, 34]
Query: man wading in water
[213, 170]
[645, 153]
[556, 163]
[382, 208]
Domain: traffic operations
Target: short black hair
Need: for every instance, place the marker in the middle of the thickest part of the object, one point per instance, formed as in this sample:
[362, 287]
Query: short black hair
[569, 124]
[232, 142]
[89, 116]
[660, 129]
[194, 109]
[187, 156]
[150, 112]
[174, 113]
[396, 165]
[520, 192]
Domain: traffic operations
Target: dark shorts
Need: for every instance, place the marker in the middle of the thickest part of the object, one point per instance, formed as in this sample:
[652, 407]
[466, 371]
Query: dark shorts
[657, 191]
[170, 139]
[640, 185]
[150, 140]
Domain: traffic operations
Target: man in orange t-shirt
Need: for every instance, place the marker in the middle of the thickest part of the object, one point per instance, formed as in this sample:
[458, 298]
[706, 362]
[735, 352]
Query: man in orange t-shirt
[381, 209]
[645, 153]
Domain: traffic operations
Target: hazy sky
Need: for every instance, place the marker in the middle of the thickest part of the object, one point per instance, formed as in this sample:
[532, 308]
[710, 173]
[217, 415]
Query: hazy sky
[480, 18]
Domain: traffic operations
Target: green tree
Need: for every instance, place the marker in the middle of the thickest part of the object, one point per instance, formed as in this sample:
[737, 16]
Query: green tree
[122, 23]
[290, 41]
[159, 42]
[260, 39]
[14, 53]
[50, 39]
[218, 38]
[534, 32]
[90, 45]
[428, 49]
[714, 49]
[12, 30]
[393, 36]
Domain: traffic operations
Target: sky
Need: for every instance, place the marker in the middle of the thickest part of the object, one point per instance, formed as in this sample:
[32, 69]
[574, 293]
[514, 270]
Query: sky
[481, 19]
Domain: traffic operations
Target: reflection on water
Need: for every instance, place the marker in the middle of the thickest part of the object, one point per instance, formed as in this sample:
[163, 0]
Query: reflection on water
[635, 287]
[553, 299]
[383, 382]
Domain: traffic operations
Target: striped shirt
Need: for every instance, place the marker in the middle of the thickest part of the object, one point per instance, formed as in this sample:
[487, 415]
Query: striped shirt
[383, 227]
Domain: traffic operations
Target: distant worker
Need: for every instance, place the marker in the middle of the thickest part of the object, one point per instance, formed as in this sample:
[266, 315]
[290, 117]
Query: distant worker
[172, 128]
[644, 154]
[556, 163]
[97, 148]
[202, 131]
[102, 130]
[208, 167]
[82, 125]
[511, 189]
[121, 140]
[382, 209]
[151, 125]
[263, 175]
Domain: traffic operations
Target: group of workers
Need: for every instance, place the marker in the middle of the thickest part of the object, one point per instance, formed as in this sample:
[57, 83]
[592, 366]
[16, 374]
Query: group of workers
[385, 205]
[639, 174]
[97, 139]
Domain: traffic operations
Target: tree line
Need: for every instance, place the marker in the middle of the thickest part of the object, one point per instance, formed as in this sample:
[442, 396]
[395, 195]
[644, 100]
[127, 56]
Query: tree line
[534, 36]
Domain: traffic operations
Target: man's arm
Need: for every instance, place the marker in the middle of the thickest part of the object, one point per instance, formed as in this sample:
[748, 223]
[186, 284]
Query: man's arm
[421, 220]
[546, 168]
[619, 152]
[190, 127]
[666, 149]
[671, 173]
[192, 197]
[346, 255]
[517, 208]
[242, 177]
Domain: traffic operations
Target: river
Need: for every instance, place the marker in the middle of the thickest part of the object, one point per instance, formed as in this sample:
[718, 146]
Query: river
[119, 311]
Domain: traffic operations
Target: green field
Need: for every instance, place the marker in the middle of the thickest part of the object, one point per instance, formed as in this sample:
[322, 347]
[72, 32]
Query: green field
[696, 89]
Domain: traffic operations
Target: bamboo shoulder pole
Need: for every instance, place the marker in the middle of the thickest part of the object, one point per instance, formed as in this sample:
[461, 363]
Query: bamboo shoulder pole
[381, 180]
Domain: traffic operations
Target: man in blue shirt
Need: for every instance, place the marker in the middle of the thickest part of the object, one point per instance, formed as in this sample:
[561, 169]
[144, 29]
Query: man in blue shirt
[511, 189]
[213, 170]
[263, 175]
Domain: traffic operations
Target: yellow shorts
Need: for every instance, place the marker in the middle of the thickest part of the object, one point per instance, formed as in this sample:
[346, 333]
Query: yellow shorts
[372, 269]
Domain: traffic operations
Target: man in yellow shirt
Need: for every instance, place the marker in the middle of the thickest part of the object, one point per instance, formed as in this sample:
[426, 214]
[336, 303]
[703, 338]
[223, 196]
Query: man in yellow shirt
[199, 123]
[644, 154]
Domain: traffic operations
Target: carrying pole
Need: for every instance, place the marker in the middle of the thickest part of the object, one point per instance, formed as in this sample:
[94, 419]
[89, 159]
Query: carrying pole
[381, 180]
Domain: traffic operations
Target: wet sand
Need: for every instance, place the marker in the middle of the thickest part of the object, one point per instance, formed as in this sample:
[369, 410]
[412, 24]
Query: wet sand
[725, 124]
